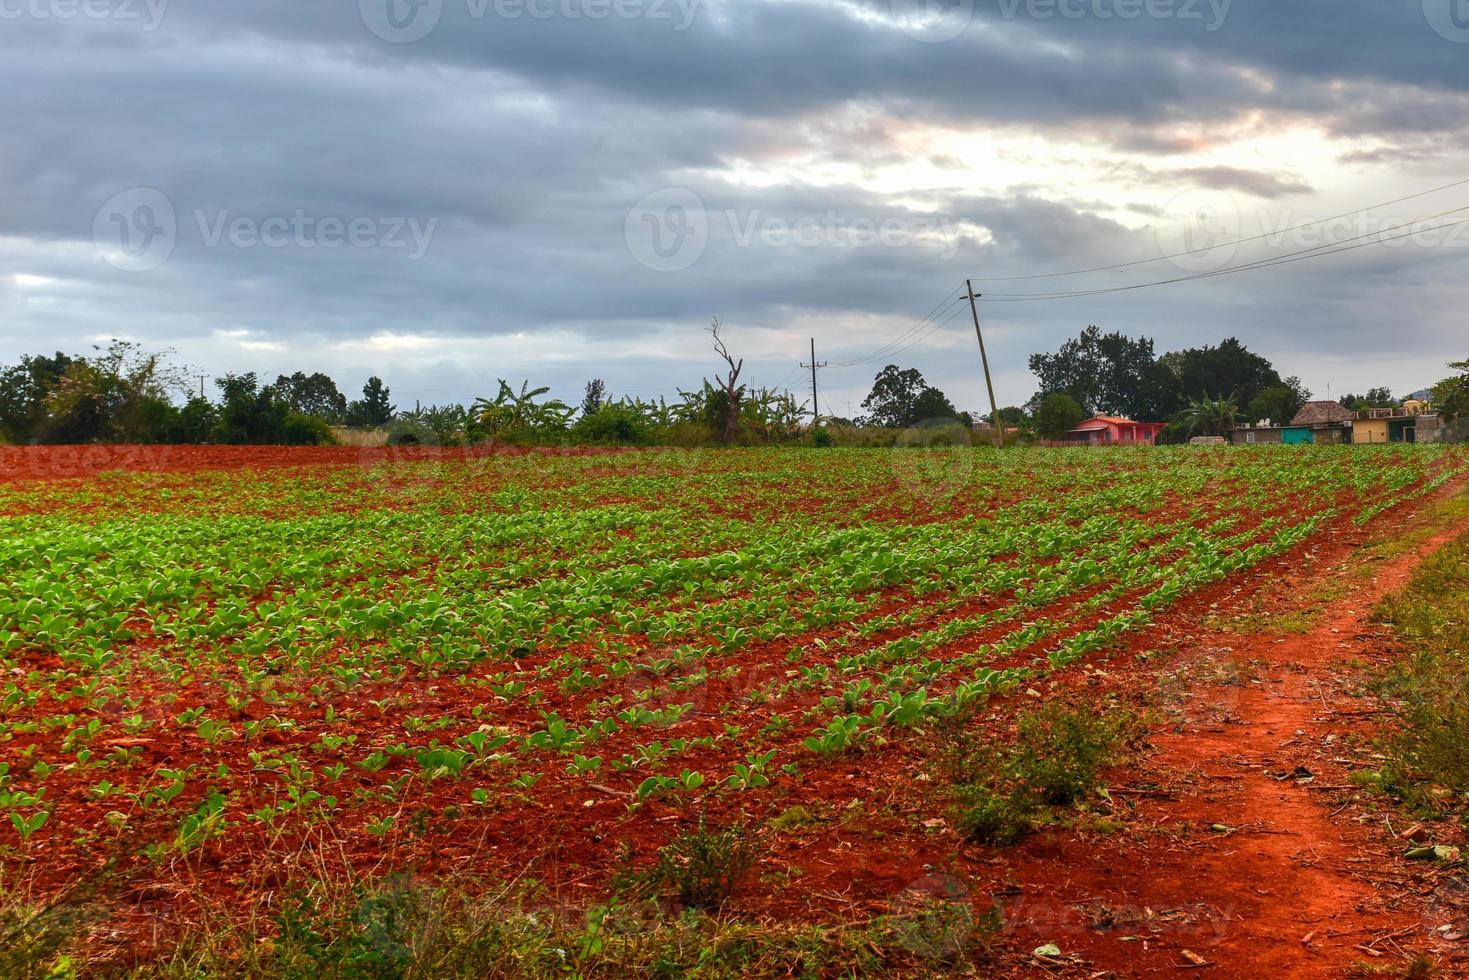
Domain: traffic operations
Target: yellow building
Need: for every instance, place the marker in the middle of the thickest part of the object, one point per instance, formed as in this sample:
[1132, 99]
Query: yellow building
[1375, 426]
[1369, 431]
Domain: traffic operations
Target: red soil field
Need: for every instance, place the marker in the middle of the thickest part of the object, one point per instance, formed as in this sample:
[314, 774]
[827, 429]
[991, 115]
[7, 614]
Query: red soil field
[1233, 844]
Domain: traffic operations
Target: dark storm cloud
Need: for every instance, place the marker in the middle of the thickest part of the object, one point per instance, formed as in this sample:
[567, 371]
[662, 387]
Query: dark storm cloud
[524, 141]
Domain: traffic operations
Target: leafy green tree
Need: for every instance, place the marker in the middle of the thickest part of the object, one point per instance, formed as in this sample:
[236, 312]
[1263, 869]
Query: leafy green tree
[1057, 414]
[249, 414]
[1375, 398]
[298, 429]
[196, 422]
[374, 408]
[442, 425]
[24, 388]
[1229, 368]
[120, 394]
[595, 398]
[1013, 415]
[1451, 395]
[614, 422]
[1278, 404]
[900, 399]
[1109, 374]
[1211, 416]
[314, 394]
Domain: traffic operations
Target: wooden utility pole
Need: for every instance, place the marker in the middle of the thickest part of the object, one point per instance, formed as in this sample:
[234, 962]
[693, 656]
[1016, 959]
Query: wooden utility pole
[815, 405]
[984, 358]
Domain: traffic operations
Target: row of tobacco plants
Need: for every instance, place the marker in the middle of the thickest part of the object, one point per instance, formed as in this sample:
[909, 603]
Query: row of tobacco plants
[201, 675]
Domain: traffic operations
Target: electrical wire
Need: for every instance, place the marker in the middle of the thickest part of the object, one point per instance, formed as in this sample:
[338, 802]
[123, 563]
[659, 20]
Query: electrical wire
[1318, 251]
[943, 306]
[1219, 245]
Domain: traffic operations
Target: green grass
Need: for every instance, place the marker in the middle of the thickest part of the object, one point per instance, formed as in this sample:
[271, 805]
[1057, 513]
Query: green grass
[1436, 516]
[401, 927]
[1428, 688]
[1002, 792]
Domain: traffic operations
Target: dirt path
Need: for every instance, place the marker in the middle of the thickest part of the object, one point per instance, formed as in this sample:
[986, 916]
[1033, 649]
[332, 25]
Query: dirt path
[1244, 848]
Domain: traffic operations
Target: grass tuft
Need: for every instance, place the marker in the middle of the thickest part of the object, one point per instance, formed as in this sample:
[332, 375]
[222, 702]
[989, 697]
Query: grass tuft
[1002, 792]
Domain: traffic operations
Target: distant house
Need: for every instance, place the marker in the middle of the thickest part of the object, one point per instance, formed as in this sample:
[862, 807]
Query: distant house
[1257, 435]
[1323, 422]
[1413, 422]
[1113, 430]
[1329, 422]
[1319, 422]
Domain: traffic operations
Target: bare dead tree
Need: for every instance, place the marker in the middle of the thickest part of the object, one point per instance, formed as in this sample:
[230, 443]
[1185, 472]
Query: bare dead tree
[733, 390]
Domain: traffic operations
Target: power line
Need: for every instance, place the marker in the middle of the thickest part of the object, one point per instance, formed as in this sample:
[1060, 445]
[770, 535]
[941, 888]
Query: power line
[1319, 251]
[958, 311]
[883, 351]
[1218, 245]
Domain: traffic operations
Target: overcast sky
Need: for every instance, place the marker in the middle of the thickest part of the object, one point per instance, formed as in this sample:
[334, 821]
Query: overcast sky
[444, 192]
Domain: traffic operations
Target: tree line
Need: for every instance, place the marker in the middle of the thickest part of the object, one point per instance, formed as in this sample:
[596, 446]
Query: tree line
[1198, 391]
[122, 393]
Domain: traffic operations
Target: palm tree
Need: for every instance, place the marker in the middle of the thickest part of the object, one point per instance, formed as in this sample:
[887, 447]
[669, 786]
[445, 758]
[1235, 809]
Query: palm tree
[1211, 416]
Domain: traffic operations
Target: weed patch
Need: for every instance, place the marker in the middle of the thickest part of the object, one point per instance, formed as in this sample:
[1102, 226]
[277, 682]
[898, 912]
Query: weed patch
[1002, 792]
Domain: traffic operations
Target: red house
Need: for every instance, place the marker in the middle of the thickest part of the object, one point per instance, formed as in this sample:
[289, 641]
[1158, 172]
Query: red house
[1111, 430]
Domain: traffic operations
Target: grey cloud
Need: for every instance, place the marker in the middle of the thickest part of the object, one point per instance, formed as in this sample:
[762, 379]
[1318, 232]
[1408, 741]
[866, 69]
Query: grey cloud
[529, 140]
[1250, 181]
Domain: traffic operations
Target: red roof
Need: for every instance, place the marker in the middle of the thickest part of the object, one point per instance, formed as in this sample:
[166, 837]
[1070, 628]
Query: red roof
[1109, 420]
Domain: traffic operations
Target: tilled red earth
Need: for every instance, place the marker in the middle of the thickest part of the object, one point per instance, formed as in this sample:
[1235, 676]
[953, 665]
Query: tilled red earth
[1234, 844]
[65, 462]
